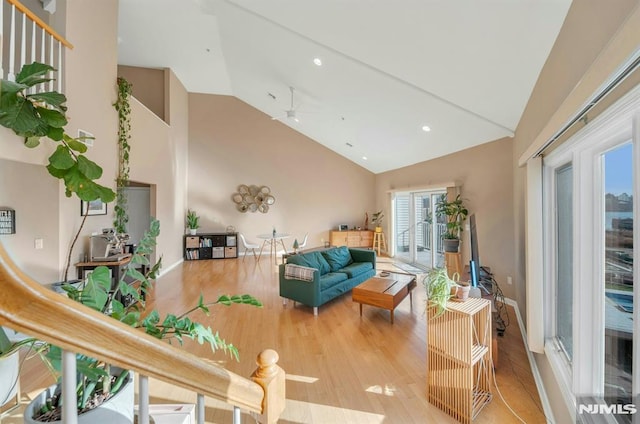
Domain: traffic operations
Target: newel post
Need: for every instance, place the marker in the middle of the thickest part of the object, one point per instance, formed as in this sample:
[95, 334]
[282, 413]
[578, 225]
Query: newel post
[272, 380]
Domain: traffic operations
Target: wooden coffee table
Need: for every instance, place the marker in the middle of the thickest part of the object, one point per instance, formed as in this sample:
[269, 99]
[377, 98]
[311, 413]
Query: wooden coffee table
[385, 292]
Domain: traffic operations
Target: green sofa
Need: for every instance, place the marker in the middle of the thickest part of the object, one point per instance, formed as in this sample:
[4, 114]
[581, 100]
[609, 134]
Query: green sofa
[326, 274]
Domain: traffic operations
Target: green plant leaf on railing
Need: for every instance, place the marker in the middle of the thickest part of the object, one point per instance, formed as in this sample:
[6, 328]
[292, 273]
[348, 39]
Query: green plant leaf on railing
[52, 117]
[34, 73]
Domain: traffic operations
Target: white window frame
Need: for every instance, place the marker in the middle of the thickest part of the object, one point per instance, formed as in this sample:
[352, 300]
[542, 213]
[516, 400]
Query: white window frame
[616, 126]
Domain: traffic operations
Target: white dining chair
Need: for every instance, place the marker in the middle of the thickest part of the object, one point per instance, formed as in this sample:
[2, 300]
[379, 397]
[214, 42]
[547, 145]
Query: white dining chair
[304, 242]
[249, 246]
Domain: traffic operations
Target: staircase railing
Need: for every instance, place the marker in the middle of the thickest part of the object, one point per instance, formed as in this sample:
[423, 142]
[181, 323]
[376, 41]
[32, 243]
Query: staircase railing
[33, 309]
[30, 39]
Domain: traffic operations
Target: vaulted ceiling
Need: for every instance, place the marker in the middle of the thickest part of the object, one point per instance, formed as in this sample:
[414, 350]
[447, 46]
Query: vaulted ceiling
[464, 68]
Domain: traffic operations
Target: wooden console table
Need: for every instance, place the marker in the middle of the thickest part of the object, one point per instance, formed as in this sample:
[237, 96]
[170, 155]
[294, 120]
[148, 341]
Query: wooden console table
[352, 238]
[114, 266]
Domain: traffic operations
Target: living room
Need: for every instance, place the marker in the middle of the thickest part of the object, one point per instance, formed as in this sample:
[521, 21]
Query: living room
[213, 143]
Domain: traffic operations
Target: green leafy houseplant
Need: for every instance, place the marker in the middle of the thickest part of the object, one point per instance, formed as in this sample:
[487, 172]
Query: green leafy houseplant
[455, 213]
[96, 381]
[193, 220]
[438, 286]
[376, 218]
[10, 363]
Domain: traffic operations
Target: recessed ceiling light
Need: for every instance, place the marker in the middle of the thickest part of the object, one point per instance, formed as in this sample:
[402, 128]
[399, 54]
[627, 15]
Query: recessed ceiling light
[364, 157]
[317, 61]
[426, 128]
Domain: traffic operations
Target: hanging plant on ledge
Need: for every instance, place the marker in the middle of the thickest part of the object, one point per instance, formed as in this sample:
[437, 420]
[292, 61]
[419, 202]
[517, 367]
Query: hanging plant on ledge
[122, 181]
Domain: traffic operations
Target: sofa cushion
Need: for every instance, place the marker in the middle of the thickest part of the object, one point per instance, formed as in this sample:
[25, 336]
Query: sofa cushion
[312, 260]
[337, 258]
[331, 279]
[357, 268]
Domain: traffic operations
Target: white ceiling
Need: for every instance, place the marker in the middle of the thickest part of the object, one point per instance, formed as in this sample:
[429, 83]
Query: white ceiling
[465, 68]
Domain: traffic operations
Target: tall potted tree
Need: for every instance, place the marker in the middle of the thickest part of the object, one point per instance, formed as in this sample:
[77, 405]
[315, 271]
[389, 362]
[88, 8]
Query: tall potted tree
[455, 213]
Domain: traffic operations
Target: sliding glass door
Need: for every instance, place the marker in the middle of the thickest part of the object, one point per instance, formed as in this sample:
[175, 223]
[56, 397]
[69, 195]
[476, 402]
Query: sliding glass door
[417, 233]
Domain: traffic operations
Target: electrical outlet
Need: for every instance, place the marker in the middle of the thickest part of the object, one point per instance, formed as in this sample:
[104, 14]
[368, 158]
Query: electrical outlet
[39, 243]
[509, 280]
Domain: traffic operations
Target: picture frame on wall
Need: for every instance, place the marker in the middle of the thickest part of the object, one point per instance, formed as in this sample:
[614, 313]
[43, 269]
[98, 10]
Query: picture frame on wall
[94, 207]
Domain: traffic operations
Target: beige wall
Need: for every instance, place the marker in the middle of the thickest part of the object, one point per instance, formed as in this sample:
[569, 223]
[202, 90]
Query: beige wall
[91, 90]
[485, 175]
[34, 197]
[231, 143]
[580, 61]
[148, 86]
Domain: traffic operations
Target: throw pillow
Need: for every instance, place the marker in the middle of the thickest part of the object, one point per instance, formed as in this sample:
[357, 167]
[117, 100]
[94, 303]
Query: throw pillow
[312, 260]
[338, 258]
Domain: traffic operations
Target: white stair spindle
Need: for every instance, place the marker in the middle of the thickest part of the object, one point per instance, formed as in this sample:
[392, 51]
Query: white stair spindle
[69, 402]
[236, 415]
[43, 43]
[200, 409]
[1, 37]
[23, 41]
[33, 41]
[12, 45]
[32, 90]
[143, 399]
[60, 70]
[51, 61]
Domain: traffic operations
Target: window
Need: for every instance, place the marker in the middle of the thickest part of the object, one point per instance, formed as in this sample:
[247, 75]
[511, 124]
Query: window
[564, 260]
[588, 195]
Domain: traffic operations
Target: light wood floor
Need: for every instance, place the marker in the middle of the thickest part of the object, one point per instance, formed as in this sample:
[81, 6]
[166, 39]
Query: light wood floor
[341, 368]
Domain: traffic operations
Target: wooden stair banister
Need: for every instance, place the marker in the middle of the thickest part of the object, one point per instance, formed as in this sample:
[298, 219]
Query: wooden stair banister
[22, 8]
[33, 309]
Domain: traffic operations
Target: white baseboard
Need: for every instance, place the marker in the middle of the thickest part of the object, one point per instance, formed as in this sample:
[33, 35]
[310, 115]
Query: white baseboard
[164, 270]
[546, 406]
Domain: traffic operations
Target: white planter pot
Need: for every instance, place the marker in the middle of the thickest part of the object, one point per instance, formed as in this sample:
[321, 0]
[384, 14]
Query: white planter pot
[9, 369]
[193, 231]
[117, 410]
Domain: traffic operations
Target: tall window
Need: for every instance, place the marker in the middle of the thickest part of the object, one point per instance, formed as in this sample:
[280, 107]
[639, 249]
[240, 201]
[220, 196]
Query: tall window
[564, 259]
[589, 190]
[618, 275]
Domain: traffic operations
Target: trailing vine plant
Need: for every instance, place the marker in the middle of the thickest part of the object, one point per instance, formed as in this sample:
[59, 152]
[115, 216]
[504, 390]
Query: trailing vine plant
[122, 181]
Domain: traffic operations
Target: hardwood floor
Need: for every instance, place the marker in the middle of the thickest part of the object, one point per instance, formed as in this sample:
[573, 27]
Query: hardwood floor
[341, 368]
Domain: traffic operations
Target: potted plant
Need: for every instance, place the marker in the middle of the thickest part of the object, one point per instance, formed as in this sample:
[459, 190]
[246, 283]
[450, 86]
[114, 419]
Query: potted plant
[192, 222]
[98, 381]
[376, 220]
[438, 287]
[10, 365]
[455, 213]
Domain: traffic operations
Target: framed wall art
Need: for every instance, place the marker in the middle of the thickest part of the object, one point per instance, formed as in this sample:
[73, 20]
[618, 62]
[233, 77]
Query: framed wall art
[94, 207]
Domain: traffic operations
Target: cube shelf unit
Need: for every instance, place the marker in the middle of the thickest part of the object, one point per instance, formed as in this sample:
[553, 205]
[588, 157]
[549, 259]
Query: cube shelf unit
[459, 363]
[210, 246]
